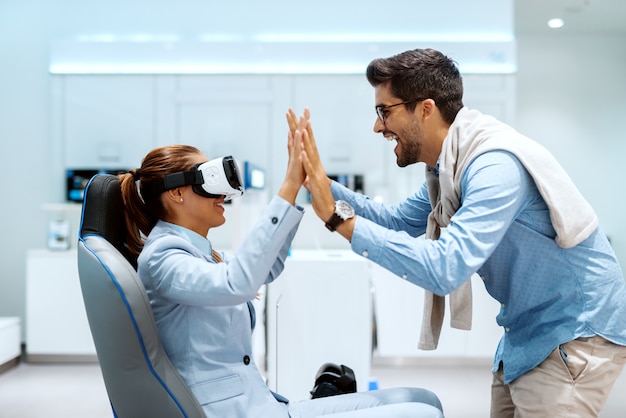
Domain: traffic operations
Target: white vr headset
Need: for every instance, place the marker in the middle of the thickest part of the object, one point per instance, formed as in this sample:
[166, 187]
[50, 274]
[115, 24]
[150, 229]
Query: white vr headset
[213, 179]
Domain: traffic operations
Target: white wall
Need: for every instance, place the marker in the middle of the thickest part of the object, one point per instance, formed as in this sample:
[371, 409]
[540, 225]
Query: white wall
[571, 97]
[24, 123]
[576, 82]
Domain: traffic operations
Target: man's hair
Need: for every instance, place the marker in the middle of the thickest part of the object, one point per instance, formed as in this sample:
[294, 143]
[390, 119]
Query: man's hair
[421, 73]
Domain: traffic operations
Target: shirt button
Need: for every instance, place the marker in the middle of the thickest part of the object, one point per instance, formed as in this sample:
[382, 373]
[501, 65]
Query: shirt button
[246, 360]
[404, 276]
[503, 305]
[274, 220]
[364, 253]
[507, 329]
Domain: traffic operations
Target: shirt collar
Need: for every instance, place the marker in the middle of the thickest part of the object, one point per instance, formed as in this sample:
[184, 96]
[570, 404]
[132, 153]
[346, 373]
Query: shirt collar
[435, 169]
[200, 242]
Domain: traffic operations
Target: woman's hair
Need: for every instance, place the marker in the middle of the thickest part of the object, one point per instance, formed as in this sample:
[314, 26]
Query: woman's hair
[421, 73]
[142, 210]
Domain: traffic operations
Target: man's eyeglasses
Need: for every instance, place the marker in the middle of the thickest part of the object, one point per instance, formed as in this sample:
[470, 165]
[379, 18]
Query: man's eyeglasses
[383, 111]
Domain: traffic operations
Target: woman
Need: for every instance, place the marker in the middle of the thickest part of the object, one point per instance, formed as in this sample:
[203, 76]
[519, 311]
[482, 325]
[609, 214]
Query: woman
[201, 303]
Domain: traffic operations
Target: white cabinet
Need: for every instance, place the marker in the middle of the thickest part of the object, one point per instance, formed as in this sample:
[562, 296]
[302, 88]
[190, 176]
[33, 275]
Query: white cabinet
[108, 121]
[56, 321]
[10, 341]
[227, 115]
[318, 311]
[398, 306]
[112, 121]
[322, 309]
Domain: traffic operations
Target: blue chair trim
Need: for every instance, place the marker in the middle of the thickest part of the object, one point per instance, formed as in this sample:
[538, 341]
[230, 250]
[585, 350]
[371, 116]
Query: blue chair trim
[132, 317]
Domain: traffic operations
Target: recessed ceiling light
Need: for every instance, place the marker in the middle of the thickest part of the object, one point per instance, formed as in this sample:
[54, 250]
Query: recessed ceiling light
[555, 23]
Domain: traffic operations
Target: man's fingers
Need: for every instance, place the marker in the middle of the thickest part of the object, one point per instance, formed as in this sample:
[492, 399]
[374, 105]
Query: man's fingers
[292, 120]
[310, 148]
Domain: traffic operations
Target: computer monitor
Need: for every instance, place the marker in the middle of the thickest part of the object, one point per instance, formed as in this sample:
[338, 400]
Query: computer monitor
[351, 181]
[253, 176]
[77, 179]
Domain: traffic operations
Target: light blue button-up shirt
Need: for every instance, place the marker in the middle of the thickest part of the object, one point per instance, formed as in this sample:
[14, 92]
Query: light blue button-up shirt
[502, 231]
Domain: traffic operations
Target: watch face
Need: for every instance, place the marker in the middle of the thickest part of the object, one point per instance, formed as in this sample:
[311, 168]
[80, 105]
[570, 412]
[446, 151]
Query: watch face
[344, 210]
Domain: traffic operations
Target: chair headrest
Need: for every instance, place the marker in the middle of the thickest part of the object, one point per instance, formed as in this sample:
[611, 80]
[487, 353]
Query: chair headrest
[103, 213]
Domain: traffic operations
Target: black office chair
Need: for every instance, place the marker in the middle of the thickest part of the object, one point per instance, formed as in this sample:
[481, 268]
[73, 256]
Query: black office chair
[139, 378]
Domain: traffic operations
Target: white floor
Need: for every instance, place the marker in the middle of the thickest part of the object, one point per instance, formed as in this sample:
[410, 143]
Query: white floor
[77, 391]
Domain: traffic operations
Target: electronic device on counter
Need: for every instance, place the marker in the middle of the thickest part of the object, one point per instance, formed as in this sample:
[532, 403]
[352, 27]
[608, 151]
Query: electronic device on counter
[253, 176]
[76, 180]
[59, 235]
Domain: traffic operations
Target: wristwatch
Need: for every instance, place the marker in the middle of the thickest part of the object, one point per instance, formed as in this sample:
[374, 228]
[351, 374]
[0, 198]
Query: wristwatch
[343, 212]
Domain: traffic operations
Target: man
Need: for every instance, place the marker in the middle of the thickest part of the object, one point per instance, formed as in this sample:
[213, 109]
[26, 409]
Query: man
[512, 215]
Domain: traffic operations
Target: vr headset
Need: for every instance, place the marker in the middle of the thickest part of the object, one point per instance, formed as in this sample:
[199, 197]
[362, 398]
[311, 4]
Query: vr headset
[333, 379]
[213, 179]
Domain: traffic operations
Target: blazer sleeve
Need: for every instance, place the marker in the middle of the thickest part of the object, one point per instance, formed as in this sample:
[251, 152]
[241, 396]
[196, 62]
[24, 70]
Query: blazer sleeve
[179, 273]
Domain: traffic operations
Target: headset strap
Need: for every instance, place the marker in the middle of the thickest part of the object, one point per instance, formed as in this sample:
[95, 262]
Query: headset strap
[171, 181]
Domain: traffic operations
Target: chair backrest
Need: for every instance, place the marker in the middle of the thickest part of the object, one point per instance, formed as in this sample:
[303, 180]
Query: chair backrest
[139, 378]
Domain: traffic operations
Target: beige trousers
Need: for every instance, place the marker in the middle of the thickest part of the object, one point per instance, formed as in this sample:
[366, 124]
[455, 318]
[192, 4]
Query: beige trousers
[574, 381]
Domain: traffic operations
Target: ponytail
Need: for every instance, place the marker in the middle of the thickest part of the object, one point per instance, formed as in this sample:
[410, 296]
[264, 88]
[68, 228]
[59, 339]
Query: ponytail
[139, 223]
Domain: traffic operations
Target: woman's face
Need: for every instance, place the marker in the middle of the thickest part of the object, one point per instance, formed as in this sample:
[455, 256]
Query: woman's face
[199, 213]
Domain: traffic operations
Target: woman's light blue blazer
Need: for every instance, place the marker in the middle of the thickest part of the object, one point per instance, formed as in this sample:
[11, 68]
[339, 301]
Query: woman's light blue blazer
[202, 312]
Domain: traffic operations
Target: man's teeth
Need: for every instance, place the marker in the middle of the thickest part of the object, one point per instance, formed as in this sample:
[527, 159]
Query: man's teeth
[392, 138]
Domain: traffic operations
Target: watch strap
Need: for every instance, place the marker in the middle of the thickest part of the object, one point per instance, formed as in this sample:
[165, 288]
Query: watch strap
[334, 222]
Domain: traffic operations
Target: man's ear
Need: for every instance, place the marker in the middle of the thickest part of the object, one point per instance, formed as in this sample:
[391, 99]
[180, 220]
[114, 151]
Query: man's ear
[428, 107]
